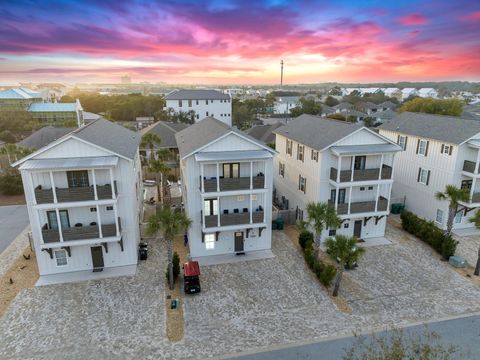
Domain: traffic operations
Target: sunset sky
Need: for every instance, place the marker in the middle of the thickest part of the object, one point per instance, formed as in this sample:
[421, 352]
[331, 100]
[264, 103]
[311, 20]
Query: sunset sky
[239, 42]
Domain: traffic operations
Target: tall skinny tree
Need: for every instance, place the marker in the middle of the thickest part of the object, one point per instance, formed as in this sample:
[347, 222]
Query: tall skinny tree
[149, 141]
[454, 195]
[476, 220]
[343, 250]
[155, 163]
[321, 216]
[169, 223]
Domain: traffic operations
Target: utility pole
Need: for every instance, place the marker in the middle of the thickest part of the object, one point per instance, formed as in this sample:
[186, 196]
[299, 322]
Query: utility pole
[281, 73]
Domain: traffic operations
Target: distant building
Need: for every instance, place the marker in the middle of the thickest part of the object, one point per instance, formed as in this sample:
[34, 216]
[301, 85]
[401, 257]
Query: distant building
[203, 102]
[428, 92]
[393, 92]
[407, 92]
[126, 79]
[57, 113]
[264, 133]
[166, 132]
[285, 104]
[144, 121]
[18, 99]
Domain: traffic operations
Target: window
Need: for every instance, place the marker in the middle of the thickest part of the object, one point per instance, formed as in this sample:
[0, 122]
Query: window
[231, 170]
[446, 149]
[196, 102]
[346, 225]
[315, 155]
[109, 208]
[198, 117]
[302, 184]
[402, 141]
[77, 178]
[206, 113]
[289, 147]
[466, 184]
[359, 162]
[189, 103]
[209, 241]
[281, 169]
[60, 257]
[180, 103]
[300, 151]
[422, 147]
[439, 216]
[332, 232]
[458, 217]
[206, 102]
[423, 176]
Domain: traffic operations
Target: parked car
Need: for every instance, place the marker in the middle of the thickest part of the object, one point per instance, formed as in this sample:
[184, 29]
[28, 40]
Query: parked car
[149, 182]
[191, 277]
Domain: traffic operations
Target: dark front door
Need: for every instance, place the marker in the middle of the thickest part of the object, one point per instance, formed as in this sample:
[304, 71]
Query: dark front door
[357, 229]
[239, 241]
[97, 258]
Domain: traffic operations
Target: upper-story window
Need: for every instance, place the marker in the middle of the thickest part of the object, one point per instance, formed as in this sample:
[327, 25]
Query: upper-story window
[289, 147]
[196, 102]
[302, 184]
[78, 178]
[315, 155]
[281, 169]
[180, 103]
[360, 162]
[423, 176]
[446, 149]
[189, 103]
[402, 141]
[206, 102]
[300, 152]
[422, 147]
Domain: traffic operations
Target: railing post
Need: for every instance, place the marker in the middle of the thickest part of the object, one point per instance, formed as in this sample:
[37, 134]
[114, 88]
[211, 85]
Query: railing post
[59, 224]
[349, 199]
[251, 175]
[389, 196]
[100, 232]
[381, 168]
[336, 198]
[112, 184]
[202, 180]
[54, 192]
[352, 168]
[477, 162]
[117, 226]
[251, 210]
[339, 164]
[218, 177]
[94, 180]
[218, 211]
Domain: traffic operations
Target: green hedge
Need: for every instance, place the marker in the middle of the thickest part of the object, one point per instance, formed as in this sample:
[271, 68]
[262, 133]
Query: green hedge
[324, 272]
[429, 233]
[176, 267]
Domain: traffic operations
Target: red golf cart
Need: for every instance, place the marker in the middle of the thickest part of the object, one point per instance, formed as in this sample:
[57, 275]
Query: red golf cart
[191, 277]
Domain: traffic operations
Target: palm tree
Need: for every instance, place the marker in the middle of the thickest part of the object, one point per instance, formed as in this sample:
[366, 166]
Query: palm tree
[321, 216]
[343, 250]
[14, 152]
[476, 220]
[169, 223]
[149, 140]
[155, 163]
[454, 195]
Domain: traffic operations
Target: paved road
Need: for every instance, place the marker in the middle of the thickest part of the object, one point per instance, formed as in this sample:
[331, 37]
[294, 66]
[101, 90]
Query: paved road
[462, 332]
[13, 219]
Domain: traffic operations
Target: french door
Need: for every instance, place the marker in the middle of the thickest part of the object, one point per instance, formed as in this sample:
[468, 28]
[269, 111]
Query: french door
[231, 170]
[210, 206]
[52, 219]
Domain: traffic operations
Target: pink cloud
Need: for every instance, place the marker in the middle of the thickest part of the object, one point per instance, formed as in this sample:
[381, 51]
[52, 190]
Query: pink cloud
[413, 19]
[474, 16]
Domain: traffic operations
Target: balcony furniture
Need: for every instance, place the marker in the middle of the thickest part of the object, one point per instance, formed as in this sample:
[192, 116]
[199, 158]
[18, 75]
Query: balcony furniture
[78, 225]
[235, 211]
[245, 210]
[225, 211]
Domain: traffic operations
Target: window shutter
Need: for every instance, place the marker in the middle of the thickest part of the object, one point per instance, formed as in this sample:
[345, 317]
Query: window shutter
[203, 237]
[418, 145]
[419, 172]
[305, 186]
[443, 148]
[428, 177]
[299, 180]
[450, 150]
[426, 148]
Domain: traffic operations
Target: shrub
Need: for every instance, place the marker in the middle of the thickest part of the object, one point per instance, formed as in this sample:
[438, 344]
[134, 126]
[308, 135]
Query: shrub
[176, 265]
[429, 233]
[305, 239]
[11, 182]
[309, 256]
[327, 274]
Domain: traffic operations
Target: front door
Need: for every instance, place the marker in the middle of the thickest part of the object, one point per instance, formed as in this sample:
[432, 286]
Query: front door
[357, 229]
[239, 242]
[97, 258]
[52, 219]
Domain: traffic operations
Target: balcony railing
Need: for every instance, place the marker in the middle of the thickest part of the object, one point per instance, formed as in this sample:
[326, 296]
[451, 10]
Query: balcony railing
[232, 184]
[234, 219]
[361, 175]
[475, 198]
[79, 233]
[469, 166]
[362, 206]
[45, 196]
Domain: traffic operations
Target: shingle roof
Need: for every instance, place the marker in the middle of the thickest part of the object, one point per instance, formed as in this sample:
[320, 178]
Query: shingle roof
[196, 95]
[110, 136]
[166, 131]
[387, 114]
[264, 133]
[387, 104]
[52, 107]
[451, 129]
[44, 136]
[19, 93]
[343, 105]
[317, 132]
[89, 116]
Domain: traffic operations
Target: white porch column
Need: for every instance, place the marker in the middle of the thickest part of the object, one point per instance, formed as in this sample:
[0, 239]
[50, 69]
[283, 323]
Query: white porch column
[30, 180]
[112, 184]
[339, 166]
[381, 166]
[389, 196]
[472, 190]
[117, 226]
[349, 198]
[336, 197]
[37, 215]
[99, 222]
[94, 185]
[251, 175]
[352, 165]
[265, 174]
[478, 161]
[59, 224]
[202, 185]
[251, 209]
[218, 177]
[376, 199]
[54, 192]
[218, 211]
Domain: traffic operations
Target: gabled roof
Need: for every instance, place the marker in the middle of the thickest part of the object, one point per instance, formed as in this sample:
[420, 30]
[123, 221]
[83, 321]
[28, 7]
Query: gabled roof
[89, 116]
[101, 133]
[343, 105]
[264, 133]
[196, 95]
[19, 93]
[386, 114]
[450, 129]
[44, 136]
[317, 132]
[387, 104]
[52, 107]
[166, 131]
[206, 131]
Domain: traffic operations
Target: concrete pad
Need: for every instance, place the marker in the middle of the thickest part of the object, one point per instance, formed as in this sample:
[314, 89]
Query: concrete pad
[473, 231]
[76, 276]
[376, 241]
[232, 258]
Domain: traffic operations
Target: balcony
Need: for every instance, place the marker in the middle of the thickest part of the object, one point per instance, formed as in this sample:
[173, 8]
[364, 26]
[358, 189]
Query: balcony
[233, 184]
[469, 166]
[361, 175]
[45, 196]
[79, 233]
[362, 206]
[234, 219]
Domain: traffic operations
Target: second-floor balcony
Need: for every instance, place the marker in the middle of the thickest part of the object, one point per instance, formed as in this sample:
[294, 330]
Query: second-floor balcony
[359, 207]
[469, 166]
[362, 175]
[234, 219]
[233, 184]
[78, 233]
[73, 194]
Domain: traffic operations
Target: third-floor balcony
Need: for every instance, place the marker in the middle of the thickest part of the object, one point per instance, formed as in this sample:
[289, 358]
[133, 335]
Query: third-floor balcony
[234, 219]
[469, 166]
[87, 193]
[359, 207]
[233, 184]
[362, 175]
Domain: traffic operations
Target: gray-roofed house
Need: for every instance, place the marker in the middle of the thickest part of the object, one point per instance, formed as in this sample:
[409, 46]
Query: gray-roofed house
[227, 189]
[83, 192]
[43, 137]
[343, 107]
[202, 103]
[343, 163]
[387, 105]
[437, 151]
[264, 133]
